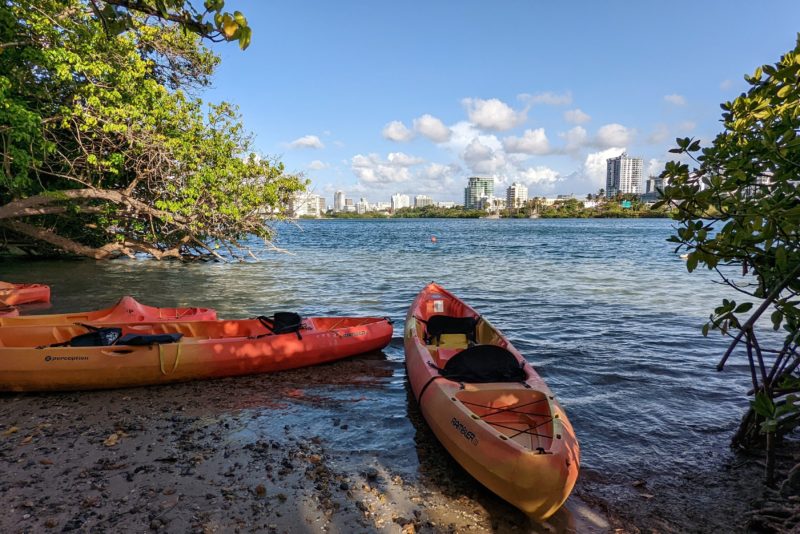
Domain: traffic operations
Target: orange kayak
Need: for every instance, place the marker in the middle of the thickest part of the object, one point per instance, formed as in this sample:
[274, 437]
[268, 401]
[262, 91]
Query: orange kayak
[127, 310]
[13, 294]
[8, 311]
[39, 358]
[488, 406]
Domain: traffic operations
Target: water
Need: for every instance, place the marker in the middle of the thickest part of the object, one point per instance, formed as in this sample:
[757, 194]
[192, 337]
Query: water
[603, 309]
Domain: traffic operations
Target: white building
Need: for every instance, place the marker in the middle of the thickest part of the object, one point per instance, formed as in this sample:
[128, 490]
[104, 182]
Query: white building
[420, 201]
[338, 201]
[362, 206]
[516, 196]
[446, 204]
[382, 206]
[623, 175]
[400, 201]
[304, 204]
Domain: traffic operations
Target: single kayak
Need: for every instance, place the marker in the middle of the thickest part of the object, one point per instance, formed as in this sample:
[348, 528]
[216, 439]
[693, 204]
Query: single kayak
[127, 310]
[40, 358]
[13, 294]
[488, 406]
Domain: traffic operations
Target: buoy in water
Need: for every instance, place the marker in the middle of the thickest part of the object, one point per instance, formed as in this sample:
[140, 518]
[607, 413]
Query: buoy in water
[433, 239]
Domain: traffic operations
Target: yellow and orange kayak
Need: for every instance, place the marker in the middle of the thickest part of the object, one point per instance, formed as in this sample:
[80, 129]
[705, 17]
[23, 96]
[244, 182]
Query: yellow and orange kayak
[488, 406]
[127, 310]
[13, 294]
[39, 358]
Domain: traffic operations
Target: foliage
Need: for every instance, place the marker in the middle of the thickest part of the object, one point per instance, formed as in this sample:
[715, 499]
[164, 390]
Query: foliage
[105, 149]
[436, 212]
[739, 212]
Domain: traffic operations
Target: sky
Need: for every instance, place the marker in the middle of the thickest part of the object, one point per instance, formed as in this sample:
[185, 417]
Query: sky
[376, 98]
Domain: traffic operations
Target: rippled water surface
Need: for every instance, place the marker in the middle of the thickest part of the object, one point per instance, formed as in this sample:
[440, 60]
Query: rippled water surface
[603, 309]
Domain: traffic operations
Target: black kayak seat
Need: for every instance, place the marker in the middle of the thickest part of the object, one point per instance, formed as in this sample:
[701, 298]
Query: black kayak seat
[436, 325]
[484, 363]
[100, 337]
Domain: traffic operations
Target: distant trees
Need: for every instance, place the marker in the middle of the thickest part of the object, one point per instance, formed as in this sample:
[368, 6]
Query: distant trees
[105, 149]
[739, 213]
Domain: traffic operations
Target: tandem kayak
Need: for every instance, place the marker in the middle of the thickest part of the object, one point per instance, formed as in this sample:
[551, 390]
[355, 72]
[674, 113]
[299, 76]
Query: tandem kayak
[39, 358]
[13, 294]
[488, 406]
[127, 310]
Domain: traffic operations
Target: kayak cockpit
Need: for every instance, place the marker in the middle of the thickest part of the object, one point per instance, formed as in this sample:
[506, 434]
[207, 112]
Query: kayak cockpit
[520, 415]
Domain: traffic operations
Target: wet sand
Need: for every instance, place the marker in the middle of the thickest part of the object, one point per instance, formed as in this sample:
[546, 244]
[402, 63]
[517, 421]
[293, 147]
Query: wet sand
[289, 452]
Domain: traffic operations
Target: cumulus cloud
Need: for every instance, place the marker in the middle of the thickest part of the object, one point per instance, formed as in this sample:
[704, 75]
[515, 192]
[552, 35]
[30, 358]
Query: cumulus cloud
[482, 159]
[493, 114]
[612, 135]
[678, 100]
[397, 131]
[687, 126]
[575, 138]
[531, 142]
[576, 116]
[539, 175]
[307, 141]
[432, 128]
[547, 98]
[373, 169]
[594, 168]
[317, 165]
[654, 167]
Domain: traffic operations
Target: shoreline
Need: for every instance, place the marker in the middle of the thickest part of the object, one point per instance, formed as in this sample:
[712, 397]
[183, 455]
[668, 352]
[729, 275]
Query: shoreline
[275, 453]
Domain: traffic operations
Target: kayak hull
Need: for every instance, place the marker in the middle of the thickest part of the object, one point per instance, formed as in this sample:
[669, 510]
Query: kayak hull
[15, 294]
[127, 310]
[209, 349]
[513, 437]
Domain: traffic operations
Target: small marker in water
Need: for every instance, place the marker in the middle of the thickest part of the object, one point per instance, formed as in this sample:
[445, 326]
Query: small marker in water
[433, 239]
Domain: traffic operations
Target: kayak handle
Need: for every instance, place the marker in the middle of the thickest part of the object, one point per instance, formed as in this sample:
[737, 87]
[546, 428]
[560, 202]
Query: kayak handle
[116, 352]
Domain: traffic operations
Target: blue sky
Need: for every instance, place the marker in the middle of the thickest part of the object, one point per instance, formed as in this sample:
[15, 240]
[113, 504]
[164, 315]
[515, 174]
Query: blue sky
[414, 97]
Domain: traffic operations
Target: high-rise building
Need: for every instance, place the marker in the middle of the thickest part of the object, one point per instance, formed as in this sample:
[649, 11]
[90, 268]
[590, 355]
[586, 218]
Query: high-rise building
[476, 189]
[362, 206]
[338, 201]
[623, 175]
[304, 204]
[420, 201]
[516, 196]
[400, 201]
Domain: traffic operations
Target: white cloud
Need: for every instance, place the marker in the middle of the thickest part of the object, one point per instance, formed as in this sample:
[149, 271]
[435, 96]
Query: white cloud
[317, 165]
[307, 141]
[726, 85]
[594, 168]
[576, 116]
[575, 138]
[493, 114]
[374, 170]
[612, 135]
[397, 131]
[432, 128]
[687, 126]
[547, 98]
[678, 100]
[531, 142]
[483, 159]
[539, 175]
[654, 167]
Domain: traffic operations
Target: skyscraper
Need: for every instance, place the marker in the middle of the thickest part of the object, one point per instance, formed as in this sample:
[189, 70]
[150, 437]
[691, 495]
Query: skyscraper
[476, 189]
[516, 196]
[338, 201]
[623, 175]
[420, 201]
[400, 201]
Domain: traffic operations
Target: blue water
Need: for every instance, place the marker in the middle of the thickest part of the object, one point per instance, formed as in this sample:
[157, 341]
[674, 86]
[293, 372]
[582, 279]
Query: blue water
[603, 309]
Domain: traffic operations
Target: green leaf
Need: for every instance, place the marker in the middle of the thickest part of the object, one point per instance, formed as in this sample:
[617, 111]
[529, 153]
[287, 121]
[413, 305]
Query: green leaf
[763, 405]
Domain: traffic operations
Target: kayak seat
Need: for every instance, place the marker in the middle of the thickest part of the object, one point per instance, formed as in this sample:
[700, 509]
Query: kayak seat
[484, 363]
[438, 325]
[453, 341]
[105, 337]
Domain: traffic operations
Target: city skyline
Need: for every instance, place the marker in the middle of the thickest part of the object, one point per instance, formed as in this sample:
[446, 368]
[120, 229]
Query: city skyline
[536, 107]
